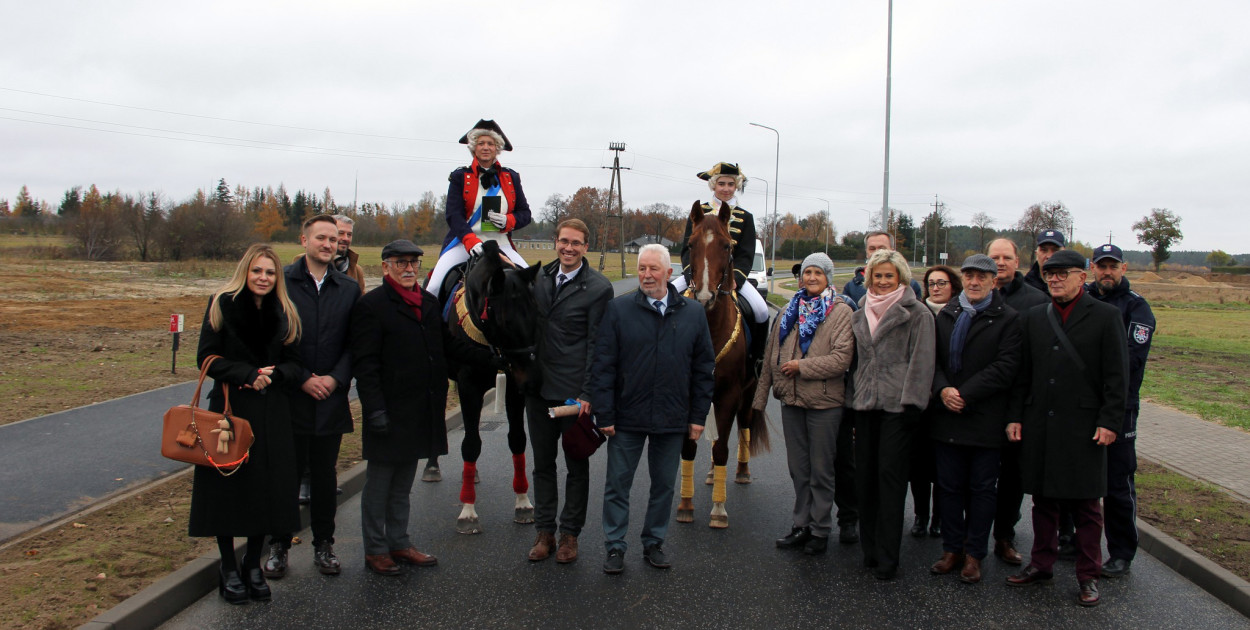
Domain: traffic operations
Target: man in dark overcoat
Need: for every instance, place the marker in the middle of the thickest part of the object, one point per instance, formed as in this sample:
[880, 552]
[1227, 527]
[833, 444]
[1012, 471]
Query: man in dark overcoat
[320, 415]
[1068, 407]
[397, 346]
[571, 297]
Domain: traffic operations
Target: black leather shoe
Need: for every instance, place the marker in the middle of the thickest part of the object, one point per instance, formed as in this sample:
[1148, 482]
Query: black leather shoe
[1089, 594]
[615, 562]
[257, 588]
[918, 527]
[848, 534]
[325, 560]
[655, 557]
[275, 566]
[816, 545]
[230, 587]
[796, 538]
[885, 572]
[1116, 567]
[1030, 575]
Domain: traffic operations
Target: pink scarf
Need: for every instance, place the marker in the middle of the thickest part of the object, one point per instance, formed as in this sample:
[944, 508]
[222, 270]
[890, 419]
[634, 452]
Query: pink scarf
[875, 306]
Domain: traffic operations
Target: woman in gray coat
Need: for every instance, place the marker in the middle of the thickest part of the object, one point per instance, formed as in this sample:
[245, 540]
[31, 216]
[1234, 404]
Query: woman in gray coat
[805, 363]
[890, 386]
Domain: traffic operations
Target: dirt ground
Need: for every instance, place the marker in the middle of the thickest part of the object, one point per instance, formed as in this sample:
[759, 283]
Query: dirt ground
[1199, 515]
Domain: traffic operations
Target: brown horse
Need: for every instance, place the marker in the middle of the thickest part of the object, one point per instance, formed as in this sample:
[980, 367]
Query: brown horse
[712, 284]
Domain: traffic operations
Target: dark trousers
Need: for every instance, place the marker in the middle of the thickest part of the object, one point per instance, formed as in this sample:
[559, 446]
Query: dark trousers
[1087, 514]
[882, 450]
[1010, 493]
[319, 455]
[385, 507]
[923, 480]
[1120, 504]
[844, 471]
[967, 477]
[545, 435]
[624, 451]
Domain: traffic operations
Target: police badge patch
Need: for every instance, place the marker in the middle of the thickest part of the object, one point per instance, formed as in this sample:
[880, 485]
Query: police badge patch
[1141, 333]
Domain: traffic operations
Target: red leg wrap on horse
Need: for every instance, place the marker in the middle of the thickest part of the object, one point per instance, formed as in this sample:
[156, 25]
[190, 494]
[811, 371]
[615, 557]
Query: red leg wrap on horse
[520, 483]
[468, 494]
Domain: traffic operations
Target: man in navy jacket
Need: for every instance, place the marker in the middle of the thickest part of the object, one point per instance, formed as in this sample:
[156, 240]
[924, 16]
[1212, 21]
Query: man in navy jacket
[651, 386]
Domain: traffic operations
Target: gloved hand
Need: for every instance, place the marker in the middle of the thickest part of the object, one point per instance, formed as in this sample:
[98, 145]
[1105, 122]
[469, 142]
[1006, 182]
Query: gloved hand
[498, 218]
[476, 250]
[378, 423]
[499, 364]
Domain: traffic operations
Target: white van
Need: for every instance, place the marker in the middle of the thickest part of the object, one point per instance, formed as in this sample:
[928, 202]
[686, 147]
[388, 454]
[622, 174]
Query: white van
[759, 271]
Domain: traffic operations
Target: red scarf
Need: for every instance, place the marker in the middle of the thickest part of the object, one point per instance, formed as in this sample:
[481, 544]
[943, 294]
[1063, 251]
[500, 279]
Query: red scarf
[411, 298]
[1066, 309]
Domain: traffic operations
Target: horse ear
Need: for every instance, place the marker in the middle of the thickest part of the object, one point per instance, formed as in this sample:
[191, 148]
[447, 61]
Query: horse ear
[696, 213]
[496, 282]
[726, 213]
[530, 273]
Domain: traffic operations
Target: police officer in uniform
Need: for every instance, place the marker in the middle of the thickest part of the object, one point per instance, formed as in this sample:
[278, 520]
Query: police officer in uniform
[1120, 504]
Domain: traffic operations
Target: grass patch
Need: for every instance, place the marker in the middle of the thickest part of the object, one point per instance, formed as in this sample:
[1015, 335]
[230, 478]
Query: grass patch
[1198, 514]
[1198, 361]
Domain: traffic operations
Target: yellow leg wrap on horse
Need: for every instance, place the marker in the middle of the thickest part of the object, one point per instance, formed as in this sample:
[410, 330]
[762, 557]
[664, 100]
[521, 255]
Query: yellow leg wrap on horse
[687, 479]
[718, 484]
[744, 446]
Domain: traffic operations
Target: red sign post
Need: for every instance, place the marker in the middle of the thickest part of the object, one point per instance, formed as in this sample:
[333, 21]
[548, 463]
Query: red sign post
[175, 327]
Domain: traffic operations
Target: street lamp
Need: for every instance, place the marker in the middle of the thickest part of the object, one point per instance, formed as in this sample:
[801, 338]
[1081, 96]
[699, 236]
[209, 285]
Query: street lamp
[770, 276]
[889, 58]
[828, 218]
[776, 174]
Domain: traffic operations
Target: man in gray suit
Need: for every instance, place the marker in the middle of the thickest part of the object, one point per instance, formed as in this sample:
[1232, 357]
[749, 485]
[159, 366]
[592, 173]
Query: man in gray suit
[571, 298]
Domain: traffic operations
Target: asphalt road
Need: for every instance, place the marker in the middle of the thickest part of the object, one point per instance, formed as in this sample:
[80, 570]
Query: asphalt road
[720, 578]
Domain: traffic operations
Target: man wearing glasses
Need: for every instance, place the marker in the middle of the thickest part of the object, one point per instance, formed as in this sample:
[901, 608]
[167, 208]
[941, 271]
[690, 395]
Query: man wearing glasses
[1069, 405]
[397, 344]
[571, 297]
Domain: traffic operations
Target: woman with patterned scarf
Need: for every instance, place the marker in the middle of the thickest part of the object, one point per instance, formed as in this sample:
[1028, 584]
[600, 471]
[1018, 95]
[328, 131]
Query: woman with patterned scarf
[805, 361]
[484, 202]
[889, 389]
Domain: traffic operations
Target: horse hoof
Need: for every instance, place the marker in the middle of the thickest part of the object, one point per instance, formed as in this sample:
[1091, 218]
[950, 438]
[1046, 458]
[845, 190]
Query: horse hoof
[432, 474]
[524, 516]
[477, 478]
[742, 478]
[719, 521]
[468, 526]
[708, 481]
[685, 516]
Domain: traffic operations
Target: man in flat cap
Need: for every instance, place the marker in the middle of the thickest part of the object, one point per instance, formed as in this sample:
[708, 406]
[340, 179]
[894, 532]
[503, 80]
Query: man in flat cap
[397, 345]
[1120, 504]
[1068, 406]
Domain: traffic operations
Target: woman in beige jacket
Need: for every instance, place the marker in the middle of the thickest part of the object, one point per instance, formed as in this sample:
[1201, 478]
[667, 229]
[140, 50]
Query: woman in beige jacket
[805, 361]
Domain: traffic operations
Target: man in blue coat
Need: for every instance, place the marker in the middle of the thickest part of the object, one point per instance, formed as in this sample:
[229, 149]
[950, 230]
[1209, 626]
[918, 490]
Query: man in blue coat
[651, 386]
[1120, 504]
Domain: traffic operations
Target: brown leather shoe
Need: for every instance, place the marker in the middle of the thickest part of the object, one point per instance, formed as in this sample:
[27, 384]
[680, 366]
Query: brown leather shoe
[947, 564]
[1007, 553]
[542, 546]
[412, 556]
[1030, 575]
[972, 571]
[566, 552]
[1089, 593]
[382, 564]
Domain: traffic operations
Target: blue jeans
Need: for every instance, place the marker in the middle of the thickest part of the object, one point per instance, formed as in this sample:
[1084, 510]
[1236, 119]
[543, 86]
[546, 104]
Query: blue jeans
[624, 451]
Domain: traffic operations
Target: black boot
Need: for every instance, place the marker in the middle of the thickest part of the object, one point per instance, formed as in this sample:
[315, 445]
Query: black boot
[759, 338]
[257, 588]
[231, 587]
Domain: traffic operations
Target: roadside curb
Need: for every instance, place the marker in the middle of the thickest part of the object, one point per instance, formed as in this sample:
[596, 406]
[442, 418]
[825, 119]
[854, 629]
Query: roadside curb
[1207, 575]
[169, 595]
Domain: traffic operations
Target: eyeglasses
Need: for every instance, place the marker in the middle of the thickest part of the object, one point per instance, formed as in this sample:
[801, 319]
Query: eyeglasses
[564, 242]
[403, 264]
[1056, 275]
[938, 284]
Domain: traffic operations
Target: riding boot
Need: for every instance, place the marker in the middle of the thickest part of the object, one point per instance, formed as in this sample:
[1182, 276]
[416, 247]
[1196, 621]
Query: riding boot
[759, 338]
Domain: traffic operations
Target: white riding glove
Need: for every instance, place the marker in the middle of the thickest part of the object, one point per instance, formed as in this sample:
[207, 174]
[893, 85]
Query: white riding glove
[498, 218]
[476, 250]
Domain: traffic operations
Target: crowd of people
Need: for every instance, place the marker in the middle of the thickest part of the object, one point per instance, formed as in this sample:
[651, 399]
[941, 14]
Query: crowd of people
[975, 386]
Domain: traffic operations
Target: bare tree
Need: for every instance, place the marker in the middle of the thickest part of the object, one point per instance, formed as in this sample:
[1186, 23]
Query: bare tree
[97, 228]
[1045, 216]
[982, 222]
[142, 218]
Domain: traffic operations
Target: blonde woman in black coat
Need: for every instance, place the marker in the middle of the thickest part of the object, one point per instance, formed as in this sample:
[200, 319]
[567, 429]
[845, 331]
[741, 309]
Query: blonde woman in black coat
[253, 326]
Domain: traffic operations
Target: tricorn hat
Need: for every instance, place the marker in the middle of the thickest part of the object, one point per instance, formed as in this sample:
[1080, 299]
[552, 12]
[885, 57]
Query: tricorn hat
[721, 168]
[488, 125]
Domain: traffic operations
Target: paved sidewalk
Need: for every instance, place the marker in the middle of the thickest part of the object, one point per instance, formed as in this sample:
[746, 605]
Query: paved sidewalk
[1198, 448]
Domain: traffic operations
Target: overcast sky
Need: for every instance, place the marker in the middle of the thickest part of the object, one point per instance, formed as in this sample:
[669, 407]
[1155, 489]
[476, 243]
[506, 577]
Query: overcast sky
[1113, 107]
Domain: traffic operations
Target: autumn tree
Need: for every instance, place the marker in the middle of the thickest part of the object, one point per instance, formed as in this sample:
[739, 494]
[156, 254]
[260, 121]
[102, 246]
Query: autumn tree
[143, 218]
[71, 203]
[269, 219]
[1219, 258]
[25, 207]
[1160, 230]
[97, 228]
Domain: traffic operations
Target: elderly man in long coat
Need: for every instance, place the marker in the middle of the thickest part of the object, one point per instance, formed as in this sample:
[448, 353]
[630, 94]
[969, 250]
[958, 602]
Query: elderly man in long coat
[1070, 401]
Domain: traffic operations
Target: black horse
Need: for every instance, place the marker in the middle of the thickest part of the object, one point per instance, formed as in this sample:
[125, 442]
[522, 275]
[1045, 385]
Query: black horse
[494, 307]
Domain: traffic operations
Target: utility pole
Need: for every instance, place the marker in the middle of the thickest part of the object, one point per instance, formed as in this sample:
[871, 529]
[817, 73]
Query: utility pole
[355, 191]
[889, 61]
[937, 209]
[1108, 236]
[616, 167]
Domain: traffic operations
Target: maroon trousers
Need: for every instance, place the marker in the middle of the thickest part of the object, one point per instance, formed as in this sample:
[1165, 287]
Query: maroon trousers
[1087, 515]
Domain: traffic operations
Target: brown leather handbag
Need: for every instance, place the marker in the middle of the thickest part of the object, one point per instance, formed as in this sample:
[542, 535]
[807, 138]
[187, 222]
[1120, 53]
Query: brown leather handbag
[207, 438]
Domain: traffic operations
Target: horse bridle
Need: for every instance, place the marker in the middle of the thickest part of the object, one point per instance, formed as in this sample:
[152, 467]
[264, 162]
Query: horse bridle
[487, 314]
